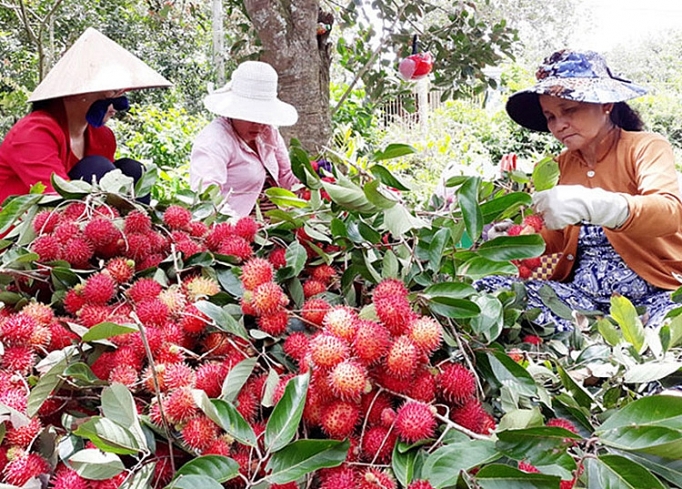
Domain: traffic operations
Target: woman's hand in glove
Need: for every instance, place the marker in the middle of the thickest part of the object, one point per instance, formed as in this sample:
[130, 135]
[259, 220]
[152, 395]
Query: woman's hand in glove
[565, 205]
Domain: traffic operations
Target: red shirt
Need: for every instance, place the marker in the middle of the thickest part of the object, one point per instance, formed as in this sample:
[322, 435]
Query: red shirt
[39, 145]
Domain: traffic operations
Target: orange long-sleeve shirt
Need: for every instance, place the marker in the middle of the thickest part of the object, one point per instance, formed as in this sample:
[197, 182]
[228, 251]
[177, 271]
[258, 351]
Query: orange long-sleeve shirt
[640, 166]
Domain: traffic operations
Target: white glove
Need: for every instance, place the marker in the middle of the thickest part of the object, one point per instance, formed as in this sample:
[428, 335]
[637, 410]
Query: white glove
[500, 229]
[564, 205]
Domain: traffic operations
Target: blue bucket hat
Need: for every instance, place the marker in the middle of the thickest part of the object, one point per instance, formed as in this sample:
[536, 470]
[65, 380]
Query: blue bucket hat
[571, 75]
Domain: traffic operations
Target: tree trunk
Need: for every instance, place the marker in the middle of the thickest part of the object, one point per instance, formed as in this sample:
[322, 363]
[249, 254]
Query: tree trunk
[287, 30]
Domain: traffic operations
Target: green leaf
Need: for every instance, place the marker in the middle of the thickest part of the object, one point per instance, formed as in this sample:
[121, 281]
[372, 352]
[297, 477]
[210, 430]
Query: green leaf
[140, 479]
[387, 178]
[545, 174]
[512, 247]
[650, 371]
[83, 373]
[504, 206]
[467, 196]
[454, 308]
[390, 268]
[193, 482]
[283, 423]
[670, 470]
[15, 209]
[437, 248]
[106, 330]
[479, 267]
[216, 467]
[616, 472]
[609, 332]
[284, 198]
[506, 372]
[118, 405]
[394, 150]
[403, 465]
[236, 378]
[581, 396]
[296, 257]
[627, 318]
[70, 189]
[47, 383]
[228, 418]
[108, 436]
[303, 457]
[145, 184]
[349, 196]
[497, 476]
[222, 319]
[540, 446]
[379, 196]
[450, 290]
[444, 465]
[491, 320]
[521, 418]
[398, 220]
[95, 464]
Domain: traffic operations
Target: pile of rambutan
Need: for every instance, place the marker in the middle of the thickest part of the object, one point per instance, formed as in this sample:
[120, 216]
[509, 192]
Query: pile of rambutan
[531, 224]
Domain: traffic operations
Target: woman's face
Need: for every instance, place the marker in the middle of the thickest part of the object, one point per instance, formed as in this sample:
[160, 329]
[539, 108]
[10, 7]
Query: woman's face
[247, 130]
[576, 124]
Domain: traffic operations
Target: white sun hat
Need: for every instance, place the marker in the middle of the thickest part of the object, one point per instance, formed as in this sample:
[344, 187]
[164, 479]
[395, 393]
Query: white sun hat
[251, 95]
[95, 63]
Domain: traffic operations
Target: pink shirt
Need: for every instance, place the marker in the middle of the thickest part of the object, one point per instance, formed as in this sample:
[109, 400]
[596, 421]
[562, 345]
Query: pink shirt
[221, 157]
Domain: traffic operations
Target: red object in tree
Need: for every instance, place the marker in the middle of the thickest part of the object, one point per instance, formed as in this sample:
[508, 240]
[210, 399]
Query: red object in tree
[416, 65]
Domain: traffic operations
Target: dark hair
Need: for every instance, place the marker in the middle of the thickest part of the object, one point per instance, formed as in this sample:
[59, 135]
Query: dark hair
[626, 117]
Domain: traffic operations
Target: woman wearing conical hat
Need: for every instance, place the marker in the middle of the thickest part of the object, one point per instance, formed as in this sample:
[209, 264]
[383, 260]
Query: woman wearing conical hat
[241, 151]
[65, 133]
[615, 216]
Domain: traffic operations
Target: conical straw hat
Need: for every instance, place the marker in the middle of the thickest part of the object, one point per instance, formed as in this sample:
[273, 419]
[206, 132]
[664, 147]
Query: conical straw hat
[95, 63]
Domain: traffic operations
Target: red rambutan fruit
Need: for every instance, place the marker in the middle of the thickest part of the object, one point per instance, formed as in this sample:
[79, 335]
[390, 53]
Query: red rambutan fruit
[327, 350]
[472, 416]
[371, 342]
[123, 374]
[515, 230]
[20, 359]
[177, 217]
[373, 404]
[209, 378]
[314, 310]
[219, 446]
[152, 312]
[341, 321]
[423, 386]
[66, 231]
[217, 233]
[236, 246]
[99, 289]
[401, 359]
[247, 404]
[339, 419]
[527, 467]
[342, 477]
[74, 211]
[193, 321]
[137, 222]
[23, 466]
[179, 405]
[313, 287]
[377, 444]
[456, 383]
[199, 432]
[348, 380]
[92, 314]
[415, 421]
[420, 484]
[198, 288]
[144, 288]
[323, 273]
[17, 329]
[268, 298]
[23, 436]
[47, 247]
[255, 272]
[137, 246]
[74, 300]
[77, 251]
[373, 478]
[177, 375]
[535, 221]
[277, 257]
[246, 228]
[101, 231]
[67, 478]
[296, 345]
[42, 313]
[120, 269]
[390, 287]
[45, 222]
[426, 333]
[532, 339]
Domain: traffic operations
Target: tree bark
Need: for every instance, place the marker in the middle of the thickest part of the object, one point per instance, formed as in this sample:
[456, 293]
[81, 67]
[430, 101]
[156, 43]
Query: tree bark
[287, 30]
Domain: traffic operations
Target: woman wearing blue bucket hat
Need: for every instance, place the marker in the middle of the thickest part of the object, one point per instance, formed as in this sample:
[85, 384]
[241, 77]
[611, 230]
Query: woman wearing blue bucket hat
[615, 216]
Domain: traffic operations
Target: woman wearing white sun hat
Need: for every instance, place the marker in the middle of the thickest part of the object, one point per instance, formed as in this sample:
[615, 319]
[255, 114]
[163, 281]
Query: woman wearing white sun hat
[241, 151]
[65, 133]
